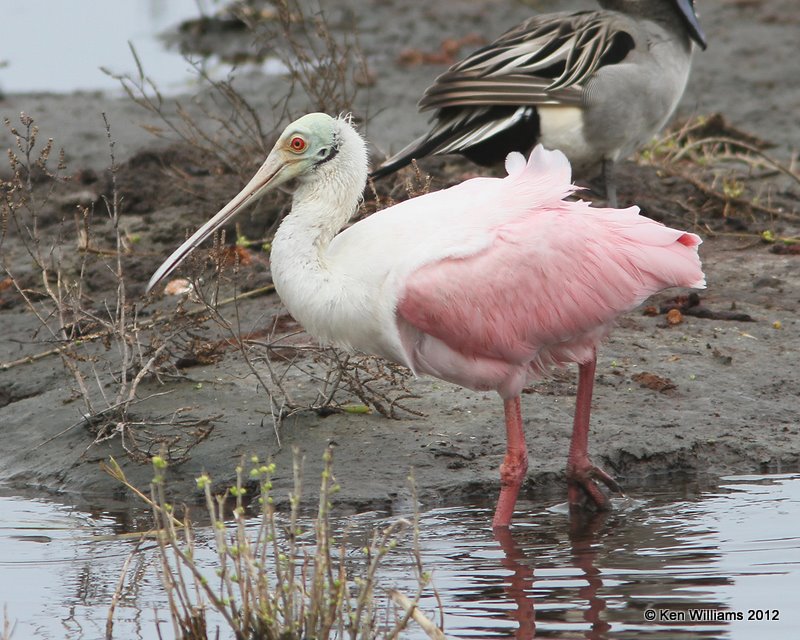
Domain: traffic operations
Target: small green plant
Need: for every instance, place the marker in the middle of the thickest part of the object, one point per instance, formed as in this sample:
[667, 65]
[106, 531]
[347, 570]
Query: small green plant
[278, 578]
[732, 187]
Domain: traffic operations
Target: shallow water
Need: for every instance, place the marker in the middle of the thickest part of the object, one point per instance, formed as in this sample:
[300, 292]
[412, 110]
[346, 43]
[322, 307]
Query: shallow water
[60, 46]
[734, 549]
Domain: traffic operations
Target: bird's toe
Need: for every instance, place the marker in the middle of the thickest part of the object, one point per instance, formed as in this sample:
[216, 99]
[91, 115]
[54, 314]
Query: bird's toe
[583, 482]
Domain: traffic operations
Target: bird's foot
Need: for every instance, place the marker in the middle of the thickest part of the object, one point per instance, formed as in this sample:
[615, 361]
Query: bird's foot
[583, 483]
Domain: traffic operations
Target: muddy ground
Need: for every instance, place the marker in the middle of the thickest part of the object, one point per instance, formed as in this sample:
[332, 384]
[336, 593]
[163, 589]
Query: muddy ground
[707, 396]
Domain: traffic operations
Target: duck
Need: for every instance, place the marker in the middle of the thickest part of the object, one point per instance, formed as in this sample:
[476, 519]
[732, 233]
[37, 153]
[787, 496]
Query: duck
[596, 85]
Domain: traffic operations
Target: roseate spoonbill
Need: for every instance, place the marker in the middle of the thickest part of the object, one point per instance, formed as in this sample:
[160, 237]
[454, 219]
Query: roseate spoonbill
[593, 84]
[486, 284]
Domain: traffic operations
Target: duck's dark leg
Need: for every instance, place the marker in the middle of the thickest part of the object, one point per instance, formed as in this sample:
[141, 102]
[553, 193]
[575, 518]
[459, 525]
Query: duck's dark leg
[609, 178]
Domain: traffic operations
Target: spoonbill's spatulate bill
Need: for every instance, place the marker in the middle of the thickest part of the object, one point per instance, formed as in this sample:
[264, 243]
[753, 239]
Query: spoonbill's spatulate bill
[594, 84]
[487, 284]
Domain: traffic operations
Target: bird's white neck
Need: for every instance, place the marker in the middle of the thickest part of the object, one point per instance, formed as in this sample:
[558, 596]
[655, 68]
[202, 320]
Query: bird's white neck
[323, 203]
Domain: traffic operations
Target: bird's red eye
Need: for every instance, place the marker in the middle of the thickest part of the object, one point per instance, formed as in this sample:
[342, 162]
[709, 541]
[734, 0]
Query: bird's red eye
[297, 144]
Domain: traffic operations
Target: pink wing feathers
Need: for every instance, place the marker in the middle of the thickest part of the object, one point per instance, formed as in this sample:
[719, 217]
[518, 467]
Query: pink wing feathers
[549, 286]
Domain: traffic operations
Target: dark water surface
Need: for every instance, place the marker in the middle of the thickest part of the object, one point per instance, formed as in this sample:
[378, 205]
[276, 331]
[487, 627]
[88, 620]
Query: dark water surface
[721, 563]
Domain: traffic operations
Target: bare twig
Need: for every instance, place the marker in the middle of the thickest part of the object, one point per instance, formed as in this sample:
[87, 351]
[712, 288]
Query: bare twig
[118, 591]
[412, 609]
[148, 324]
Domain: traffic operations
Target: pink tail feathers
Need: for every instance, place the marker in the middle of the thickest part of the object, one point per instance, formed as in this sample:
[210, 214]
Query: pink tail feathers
[545, 178]
[693, 278]
[668, 256]
[697, 279]
[552, 165]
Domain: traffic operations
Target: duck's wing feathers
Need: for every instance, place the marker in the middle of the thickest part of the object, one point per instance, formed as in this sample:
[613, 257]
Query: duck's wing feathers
[545, 60]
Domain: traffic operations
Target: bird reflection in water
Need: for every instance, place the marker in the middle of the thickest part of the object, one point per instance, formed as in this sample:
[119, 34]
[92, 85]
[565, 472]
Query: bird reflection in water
[584, 536]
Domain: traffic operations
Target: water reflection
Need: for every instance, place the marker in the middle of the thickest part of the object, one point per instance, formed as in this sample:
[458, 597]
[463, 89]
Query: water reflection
[519, 584]
[729, 550]
[603, 573]
[695, 560]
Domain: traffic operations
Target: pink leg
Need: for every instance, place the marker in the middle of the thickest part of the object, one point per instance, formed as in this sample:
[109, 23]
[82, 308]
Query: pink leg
[515, 464]
[582, 475]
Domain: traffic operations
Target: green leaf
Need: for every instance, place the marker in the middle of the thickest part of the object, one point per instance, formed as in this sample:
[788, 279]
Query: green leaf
[356, 408]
